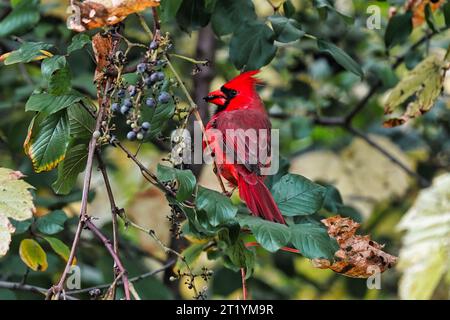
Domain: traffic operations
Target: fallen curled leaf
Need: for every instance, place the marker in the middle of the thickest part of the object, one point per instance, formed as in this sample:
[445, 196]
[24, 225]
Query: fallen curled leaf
[358, 256]
[93, 14]
[418, 9]
[419, 90]
[102, 46]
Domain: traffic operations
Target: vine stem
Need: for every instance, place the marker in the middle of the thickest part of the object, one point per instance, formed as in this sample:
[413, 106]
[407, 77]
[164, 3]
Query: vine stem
[152, 234]
[55, 290]
[244, 284]
[110, 248]
[130, 280]
[114, 214]
[287, 249]
[194, 110]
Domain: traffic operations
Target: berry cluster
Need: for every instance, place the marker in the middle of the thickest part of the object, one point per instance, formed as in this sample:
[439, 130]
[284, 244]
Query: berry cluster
[149, 91]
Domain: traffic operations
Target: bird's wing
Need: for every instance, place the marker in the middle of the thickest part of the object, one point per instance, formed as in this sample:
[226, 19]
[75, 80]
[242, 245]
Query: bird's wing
[246, 136]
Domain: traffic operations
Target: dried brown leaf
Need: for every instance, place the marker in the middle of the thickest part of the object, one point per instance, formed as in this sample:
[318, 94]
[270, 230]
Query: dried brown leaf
[93, 14]
[358, 256]
[102, 46]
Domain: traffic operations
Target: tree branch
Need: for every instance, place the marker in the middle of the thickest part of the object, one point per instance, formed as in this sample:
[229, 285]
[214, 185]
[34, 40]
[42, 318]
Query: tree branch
[17, 286]
[131, 280]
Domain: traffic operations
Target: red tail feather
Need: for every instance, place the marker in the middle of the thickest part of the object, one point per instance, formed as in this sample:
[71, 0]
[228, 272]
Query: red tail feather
[259, 200]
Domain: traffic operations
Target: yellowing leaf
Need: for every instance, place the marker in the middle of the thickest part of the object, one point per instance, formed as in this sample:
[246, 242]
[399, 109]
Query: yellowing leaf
[92, 14]
[5, 234]
[33, 255]
[422, 86]
[16, 200]
[425, 255]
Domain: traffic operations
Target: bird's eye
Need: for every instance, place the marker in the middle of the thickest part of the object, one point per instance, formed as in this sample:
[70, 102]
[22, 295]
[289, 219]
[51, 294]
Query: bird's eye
[230, 93]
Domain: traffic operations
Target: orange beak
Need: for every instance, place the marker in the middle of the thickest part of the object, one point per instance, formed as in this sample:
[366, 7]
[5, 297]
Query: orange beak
[217, 97]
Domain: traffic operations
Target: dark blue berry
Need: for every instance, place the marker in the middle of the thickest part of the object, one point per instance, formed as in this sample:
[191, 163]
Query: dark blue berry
[154, 45]
[148, 81]
[131, 135]
[150, 102]
[132, 91]
[141, 67]
[127, 103]
[146, 126]
[160, 76]
[124, 109]
[121, 93]
[154, 77]
[164, 97]
[115, 107]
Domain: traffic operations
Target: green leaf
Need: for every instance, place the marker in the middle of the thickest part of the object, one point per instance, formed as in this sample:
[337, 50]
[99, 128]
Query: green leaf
[21, 226]
[324, 6]
[286, 30]
[240, 257]
[82, 124]
[340, 56]
[79, 41]
[288, 8]
[33, 255]
[158, 117]
[429, 18]
[29, 51]
[191, 255]
[270, 235]
[446, 11]
[296, 195]
[185, 180]
[169, 9]
[16, 200]
[68, 171]
[398, 29]
[313, 241]
[50, 65]
[229, 15]
[50, 103]
[60, 248]
[333, 199]
[60, 82]
[52, 222]
[193, 14]
[218, 207]
[23, 17]
[252, 46]
[48, 141]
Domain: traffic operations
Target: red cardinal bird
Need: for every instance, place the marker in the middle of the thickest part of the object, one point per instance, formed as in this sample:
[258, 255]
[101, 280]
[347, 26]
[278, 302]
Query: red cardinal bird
[240, 107]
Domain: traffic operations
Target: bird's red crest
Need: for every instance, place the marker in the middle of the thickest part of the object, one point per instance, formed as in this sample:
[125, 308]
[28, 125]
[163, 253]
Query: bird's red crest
[244, 78]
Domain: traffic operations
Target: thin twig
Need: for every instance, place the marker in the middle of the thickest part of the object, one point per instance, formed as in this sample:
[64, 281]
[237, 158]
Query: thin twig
[244, 284]
[114, 210]
[423, 182]
[26, 287]
[152, 234]
[84, 200]
[113, 254]
[131, 280]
